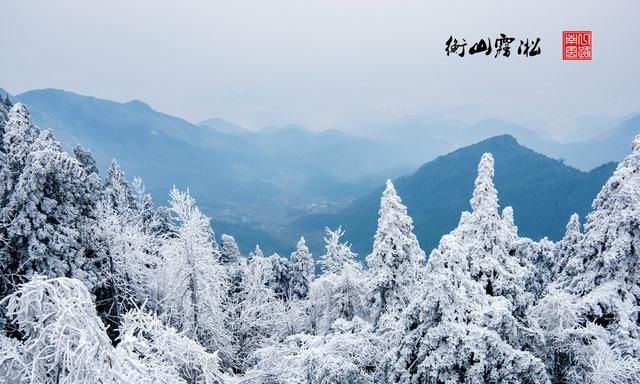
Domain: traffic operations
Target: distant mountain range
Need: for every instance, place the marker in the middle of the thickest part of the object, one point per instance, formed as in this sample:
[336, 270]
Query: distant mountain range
[272, 185]
[422, 139]
[542, 191]
[246, 180]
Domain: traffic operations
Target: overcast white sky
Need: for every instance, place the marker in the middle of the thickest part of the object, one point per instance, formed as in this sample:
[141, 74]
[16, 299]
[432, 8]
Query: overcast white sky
[325, 64]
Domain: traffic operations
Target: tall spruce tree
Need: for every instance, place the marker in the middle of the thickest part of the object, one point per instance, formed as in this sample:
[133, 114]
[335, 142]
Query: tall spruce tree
[229, 251]
[47, 206]
[194, 283]
[302, 271]
[396, 257]
[469, 324]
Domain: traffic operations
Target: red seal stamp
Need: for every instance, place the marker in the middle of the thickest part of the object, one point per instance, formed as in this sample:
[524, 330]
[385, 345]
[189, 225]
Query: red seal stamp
[576, 45]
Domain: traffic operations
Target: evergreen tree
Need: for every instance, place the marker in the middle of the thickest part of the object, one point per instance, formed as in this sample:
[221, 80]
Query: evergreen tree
[130, 258]
[337, 296]
[609, 250]
[282, 272]
[600, 288]
[396, 258]
[117, 189]
[568, 248]
[258, 314]
[193, 282]
[19, 134]
[340, 292]
[63, 339]
[337, 254]
[257, 253]
[302, 271]
[469, 322]
[46, 211]
[5, 106]
[229, 251]
[86, 159]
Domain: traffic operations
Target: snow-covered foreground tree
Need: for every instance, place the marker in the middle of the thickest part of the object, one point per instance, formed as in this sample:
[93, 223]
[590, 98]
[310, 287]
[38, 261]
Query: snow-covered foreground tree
[63, 339]
[99, 286]
[592, 315]
[469, 323]
[165, 355]
[128, 249]
[395, 262]
[47, 199]
[341, 291]
[350, 353]
[303, 271]
[193, 283]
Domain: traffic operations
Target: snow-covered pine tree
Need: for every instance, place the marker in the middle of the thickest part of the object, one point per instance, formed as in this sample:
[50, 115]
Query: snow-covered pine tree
[302, 271]
[5, 107]
[350, 354]
[337, 296]
[193, 282]
[340, 292]
[130, 255]
[117, 189]
[469, 324]
[257, 313]
[611, 244]
[155, 221]
[257, 252]
[599, 289]
[277, 271]
[164, 354]
[567, 248]
[490, 243]
[142, 201]
[396, 258]
[337, 254]
[19, 133]
[234, 263]
[86, 159]
[229, 251]
[47, 207]
[63, 339]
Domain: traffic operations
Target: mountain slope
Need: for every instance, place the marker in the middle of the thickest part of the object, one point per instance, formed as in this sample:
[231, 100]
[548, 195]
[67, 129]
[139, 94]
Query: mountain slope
[254, 180]
[223, 126]
[543, 193]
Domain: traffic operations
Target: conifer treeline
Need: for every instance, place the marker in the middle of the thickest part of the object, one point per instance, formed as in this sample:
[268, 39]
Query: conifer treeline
[100, 286]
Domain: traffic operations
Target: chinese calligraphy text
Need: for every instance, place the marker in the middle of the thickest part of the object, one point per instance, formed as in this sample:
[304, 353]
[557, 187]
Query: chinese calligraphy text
[501, 46]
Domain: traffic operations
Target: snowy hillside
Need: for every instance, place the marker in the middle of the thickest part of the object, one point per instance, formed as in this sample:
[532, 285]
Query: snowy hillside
[100, 285]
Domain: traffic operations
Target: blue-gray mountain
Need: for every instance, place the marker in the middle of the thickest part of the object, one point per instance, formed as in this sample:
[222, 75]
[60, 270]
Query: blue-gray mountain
[263, 186]
[246, 182]
[542, 191]
[423, 139]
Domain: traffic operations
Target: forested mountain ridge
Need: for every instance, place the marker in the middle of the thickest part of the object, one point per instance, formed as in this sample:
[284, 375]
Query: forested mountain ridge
[101, 286]
[544, 191]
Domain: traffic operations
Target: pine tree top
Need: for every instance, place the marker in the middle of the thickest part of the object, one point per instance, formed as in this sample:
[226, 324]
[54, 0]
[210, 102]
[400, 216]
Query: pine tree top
[485, 196]
[573, 226]
[301, 249]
